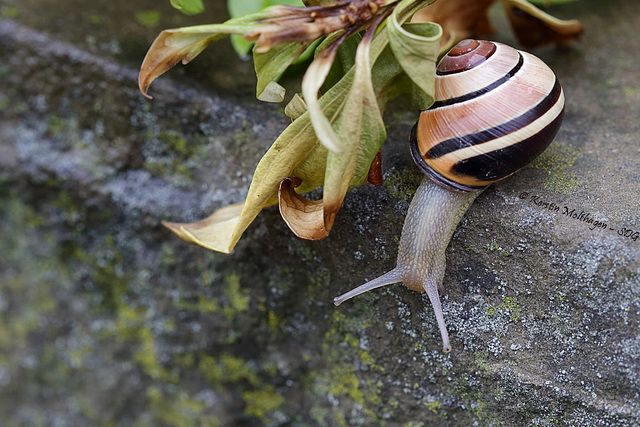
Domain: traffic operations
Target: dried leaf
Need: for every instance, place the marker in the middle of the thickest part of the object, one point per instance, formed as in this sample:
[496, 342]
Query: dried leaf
[184, 44]
[304, 217]
[213, 232]
[534, 27]
[296, 107]
[285, 29]
[320, 2]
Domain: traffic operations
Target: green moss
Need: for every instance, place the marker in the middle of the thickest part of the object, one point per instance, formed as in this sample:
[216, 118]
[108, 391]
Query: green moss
[509, 305]
[176, 143]
[473, 249]
[260, 403]
[341, 348]
[96, 19]
[481, 357]
[227, 368]
[171, 155]
[28, 291]
[55, 125]
[181, 410]
[70, 209]
[555, 161]
[434, 407]
[402, 184]
[274, 322]
[561, 182]
[493, 246]
[345, 383]
[146, 356]
[4, 102]
[474, 401]
[237, 298]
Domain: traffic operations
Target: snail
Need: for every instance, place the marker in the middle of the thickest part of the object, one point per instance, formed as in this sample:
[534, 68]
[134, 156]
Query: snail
[495, 110]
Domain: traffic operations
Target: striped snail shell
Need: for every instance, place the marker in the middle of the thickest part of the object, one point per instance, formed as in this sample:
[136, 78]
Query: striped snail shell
[495, 110]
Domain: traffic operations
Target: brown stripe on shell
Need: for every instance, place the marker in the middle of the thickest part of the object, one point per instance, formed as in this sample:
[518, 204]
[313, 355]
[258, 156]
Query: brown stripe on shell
[528, 87]
[480, 139]
[496, 159]
[483, 75]
[489, 119]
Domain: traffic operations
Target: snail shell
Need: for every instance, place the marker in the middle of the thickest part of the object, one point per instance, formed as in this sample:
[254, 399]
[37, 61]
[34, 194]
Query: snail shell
[496, 109]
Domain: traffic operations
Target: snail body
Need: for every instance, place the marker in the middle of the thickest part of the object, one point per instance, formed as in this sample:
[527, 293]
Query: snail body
[495, 110]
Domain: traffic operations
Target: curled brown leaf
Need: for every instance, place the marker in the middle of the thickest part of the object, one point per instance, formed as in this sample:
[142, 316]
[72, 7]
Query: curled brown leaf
[303, 216]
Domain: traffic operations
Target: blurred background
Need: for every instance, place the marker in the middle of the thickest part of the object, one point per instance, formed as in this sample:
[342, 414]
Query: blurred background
[108, 319]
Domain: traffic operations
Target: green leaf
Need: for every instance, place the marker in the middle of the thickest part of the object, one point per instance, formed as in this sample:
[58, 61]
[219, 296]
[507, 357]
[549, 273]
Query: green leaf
[270, 65]
[416, 48]
[311, 82]
[344, 61]
[188, 7]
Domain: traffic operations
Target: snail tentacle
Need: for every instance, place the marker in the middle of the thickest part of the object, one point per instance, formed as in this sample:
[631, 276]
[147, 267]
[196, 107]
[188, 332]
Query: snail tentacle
[433, 216]
[389, 278]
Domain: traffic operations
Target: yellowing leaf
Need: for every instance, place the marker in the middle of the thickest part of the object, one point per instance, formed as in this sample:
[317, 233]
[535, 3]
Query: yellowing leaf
[184, 44]
[311, 83]
[416, 48]
[270, 65]
[361, 130]
[213, 232]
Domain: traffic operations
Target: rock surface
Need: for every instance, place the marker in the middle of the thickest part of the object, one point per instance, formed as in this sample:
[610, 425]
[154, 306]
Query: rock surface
[106, 318]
